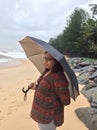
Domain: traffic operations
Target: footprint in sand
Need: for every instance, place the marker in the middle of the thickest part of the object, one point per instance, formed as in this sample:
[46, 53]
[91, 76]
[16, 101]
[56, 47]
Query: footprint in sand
[14, 101]
[4, 99]
[1, 117]
[9, 113]
[11, 110]
[12, 95]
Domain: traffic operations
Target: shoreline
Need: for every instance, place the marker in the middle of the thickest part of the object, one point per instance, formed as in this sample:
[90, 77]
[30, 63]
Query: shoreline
[14, 62]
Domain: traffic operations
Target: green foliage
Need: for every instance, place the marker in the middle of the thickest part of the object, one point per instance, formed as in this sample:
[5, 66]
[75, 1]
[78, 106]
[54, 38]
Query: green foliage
[79, 35]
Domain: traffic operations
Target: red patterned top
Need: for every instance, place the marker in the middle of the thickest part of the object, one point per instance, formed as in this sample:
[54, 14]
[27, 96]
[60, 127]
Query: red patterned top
[49, 99]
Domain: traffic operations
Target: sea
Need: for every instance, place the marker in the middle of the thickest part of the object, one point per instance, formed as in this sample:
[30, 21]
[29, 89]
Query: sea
[11, 57]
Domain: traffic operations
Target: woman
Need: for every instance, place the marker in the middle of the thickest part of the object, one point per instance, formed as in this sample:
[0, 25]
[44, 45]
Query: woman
[51, 95]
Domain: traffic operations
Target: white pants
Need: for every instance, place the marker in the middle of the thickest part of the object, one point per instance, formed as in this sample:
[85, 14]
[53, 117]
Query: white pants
[50, 126]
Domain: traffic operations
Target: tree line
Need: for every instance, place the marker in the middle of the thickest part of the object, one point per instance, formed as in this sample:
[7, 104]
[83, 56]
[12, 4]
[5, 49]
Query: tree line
[79, 36]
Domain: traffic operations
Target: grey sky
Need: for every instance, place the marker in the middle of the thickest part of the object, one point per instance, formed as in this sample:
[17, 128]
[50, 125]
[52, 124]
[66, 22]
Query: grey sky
[38, 18]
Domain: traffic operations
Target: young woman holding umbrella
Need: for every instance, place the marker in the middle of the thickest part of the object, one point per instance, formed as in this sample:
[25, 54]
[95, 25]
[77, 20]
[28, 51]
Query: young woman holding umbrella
[51, 95]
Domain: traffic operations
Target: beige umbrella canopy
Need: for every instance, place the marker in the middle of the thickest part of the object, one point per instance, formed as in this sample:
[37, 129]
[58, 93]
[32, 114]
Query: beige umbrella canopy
[34, 52]
[35, 48]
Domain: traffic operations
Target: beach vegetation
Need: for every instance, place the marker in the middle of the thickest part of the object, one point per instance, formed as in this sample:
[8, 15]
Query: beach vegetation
[79, 36]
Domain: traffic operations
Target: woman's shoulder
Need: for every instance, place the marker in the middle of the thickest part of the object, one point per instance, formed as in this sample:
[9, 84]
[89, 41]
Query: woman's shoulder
[58, 75]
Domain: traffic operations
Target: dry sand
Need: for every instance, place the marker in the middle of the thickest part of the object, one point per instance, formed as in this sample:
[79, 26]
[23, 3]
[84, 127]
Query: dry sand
[15, 112]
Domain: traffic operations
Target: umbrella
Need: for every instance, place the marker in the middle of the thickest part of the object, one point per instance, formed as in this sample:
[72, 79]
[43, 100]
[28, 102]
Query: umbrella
[35, 48]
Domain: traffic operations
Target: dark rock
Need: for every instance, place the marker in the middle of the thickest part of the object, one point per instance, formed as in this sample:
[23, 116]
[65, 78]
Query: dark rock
[83, 78]
[85, 63]
[94, 100]
[86, 70]
[88, 93]
[90, 120]
[89, 68]
[94, 122]
[95, 80]
[93, 105]
[90, 85]
[94, 75]
[77, 70]
[95, 67]
[92, 111]
[95, 62]
[83, 81]
[94, 97]
[84, 116]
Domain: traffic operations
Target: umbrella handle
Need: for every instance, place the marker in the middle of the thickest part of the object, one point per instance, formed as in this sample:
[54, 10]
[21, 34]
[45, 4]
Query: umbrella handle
[25, 92]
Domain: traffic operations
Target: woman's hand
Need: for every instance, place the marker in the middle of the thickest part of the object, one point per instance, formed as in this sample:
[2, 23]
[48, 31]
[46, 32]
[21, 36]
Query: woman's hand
[32, 86]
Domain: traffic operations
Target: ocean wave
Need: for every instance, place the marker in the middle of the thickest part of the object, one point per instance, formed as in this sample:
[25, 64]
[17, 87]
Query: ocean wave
[13, 54]
[4, 60]
[6, 56]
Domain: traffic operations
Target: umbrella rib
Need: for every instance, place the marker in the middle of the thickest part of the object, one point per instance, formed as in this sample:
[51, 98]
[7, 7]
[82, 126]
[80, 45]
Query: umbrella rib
[34, 55]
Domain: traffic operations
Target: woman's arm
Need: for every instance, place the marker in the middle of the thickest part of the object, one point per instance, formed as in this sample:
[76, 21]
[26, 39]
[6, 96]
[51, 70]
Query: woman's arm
[32, 85]
[61, 89]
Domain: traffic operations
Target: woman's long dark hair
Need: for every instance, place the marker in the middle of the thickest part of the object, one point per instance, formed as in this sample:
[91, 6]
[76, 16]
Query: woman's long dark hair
[57, 67]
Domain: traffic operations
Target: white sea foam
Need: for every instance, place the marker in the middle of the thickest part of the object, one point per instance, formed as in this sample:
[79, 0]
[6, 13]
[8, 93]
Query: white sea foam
[4, 60]
[13, 54]
[9, 55]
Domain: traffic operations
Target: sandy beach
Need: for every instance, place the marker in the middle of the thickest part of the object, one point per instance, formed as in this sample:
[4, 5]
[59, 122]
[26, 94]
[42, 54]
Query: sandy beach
[15, 112]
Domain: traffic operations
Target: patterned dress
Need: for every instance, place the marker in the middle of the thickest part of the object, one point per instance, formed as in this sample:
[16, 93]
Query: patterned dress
[50, 97]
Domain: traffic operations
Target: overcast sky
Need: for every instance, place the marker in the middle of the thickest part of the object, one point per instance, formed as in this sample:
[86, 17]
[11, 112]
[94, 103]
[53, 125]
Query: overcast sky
[37, 18]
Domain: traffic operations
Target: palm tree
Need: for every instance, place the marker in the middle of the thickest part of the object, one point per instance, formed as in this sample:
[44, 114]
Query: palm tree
[93, 8]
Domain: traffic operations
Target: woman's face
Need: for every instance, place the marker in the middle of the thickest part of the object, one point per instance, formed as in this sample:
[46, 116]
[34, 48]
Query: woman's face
[48, 61]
